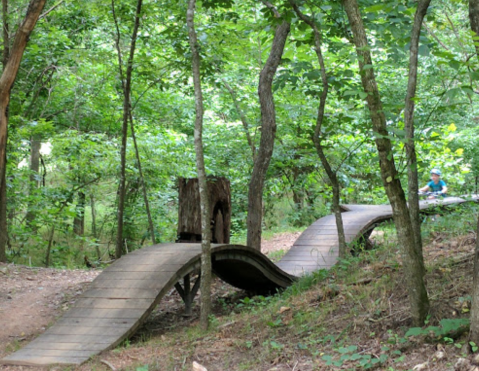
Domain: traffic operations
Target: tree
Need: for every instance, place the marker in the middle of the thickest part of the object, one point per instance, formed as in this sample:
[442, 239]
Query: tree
[413, 199]
[268, 131]
[317, 136]
[474, 330]
[412, 261]
[126, 88]
[7, 79]
[205, 283]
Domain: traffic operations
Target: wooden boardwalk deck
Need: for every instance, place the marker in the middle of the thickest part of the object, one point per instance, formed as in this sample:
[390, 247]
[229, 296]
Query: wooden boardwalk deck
[121, 298]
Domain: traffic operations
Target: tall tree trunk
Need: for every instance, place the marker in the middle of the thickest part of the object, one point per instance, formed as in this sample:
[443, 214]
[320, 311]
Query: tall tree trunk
[3, 181]
[3, 222]
[34, 172]
[343, 249]
[126, 85]
[142, 180]
[6, 33]
[412, 262]
[79, 220]
[474, 331]
[268, 132]
[413, 187]
[93, 225]
[6, 82]
[205, 283]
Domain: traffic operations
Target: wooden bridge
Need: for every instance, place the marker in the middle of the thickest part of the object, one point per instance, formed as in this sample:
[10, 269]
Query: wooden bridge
[122, 297]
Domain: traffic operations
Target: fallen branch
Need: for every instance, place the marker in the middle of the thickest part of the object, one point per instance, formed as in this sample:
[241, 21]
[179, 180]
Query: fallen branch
[108, 364]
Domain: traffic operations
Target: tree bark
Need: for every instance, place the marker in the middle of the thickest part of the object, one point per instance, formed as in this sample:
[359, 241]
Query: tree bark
[268, 132]
[3, 188]
[79, 220]
[34, 172]
[6, 82]
[3, 223]
[93, 225]
[189, 210]
[413, 187]
[6, 33]
[474, 330]
[200, 166]
[126, 85]
[343, 249]
[412, 262]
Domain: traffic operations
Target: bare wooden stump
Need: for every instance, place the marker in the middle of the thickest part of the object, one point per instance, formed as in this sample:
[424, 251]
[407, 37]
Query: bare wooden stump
[189, 215]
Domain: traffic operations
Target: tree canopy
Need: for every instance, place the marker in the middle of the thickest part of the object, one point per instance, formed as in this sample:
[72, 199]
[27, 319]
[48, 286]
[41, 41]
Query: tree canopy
[68, 98]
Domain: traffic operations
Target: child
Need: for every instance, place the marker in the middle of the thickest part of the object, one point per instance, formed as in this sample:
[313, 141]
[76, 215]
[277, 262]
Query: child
[436, 185]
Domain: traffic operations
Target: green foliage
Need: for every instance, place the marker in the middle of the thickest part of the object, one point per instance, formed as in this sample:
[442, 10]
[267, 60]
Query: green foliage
[440, 333]
[355, 359]
[68, 95]
[254, 303]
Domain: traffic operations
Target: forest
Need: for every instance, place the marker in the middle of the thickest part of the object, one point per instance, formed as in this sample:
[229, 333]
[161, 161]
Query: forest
[301, 105]
[66, 114]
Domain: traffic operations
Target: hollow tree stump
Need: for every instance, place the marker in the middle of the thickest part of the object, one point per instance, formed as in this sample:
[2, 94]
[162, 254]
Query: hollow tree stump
[189, 212]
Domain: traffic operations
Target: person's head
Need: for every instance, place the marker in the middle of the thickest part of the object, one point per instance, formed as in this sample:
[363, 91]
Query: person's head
[435, 174]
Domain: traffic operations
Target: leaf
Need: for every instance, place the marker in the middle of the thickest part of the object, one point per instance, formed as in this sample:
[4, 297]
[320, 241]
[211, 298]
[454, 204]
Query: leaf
[414, 331]
[389, 179]
[423, 50]
[375, 8]
[452, 127]
[351, 92]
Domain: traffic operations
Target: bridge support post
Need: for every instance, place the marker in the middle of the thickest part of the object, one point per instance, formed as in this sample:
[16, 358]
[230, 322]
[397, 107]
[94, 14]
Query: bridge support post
[187, 293]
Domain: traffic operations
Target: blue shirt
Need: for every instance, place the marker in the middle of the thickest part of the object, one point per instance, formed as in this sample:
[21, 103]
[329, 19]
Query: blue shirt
[436, 187]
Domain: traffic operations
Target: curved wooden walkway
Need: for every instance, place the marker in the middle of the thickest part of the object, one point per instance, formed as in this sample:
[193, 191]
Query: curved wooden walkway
[121, 298]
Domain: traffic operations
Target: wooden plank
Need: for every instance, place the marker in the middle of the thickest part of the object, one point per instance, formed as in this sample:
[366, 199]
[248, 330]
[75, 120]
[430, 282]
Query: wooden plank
[121, 276]
[145, 267]
[103, 303]
[125, 323]
[314, 246]
[26, 360]
[84, 330]
[42, 345]
[306, 259]
[179, 258]
[59, 353]
[357, 224]
[113, 284]
[323, 242]
[120, 293]
[47, 338]
[104, 313]
[311, 255]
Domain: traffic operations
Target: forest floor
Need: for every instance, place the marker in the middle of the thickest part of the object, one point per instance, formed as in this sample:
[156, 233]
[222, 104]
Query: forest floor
[331, 325]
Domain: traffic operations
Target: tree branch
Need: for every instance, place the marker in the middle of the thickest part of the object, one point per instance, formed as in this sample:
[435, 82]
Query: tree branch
[272, 8]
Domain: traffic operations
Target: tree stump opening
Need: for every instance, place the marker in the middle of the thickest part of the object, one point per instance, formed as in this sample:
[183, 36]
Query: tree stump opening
[189, 212]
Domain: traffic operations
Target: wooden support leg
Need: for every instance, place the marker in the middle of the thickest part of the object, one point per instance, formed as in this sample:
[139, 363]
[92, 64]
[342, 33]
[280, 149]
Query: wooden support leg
[187, 293]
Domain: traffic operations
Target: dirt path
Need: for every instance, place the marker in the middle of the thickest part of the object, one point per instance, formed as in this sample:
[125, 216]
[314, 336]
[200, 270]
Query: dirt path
[31, 298]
